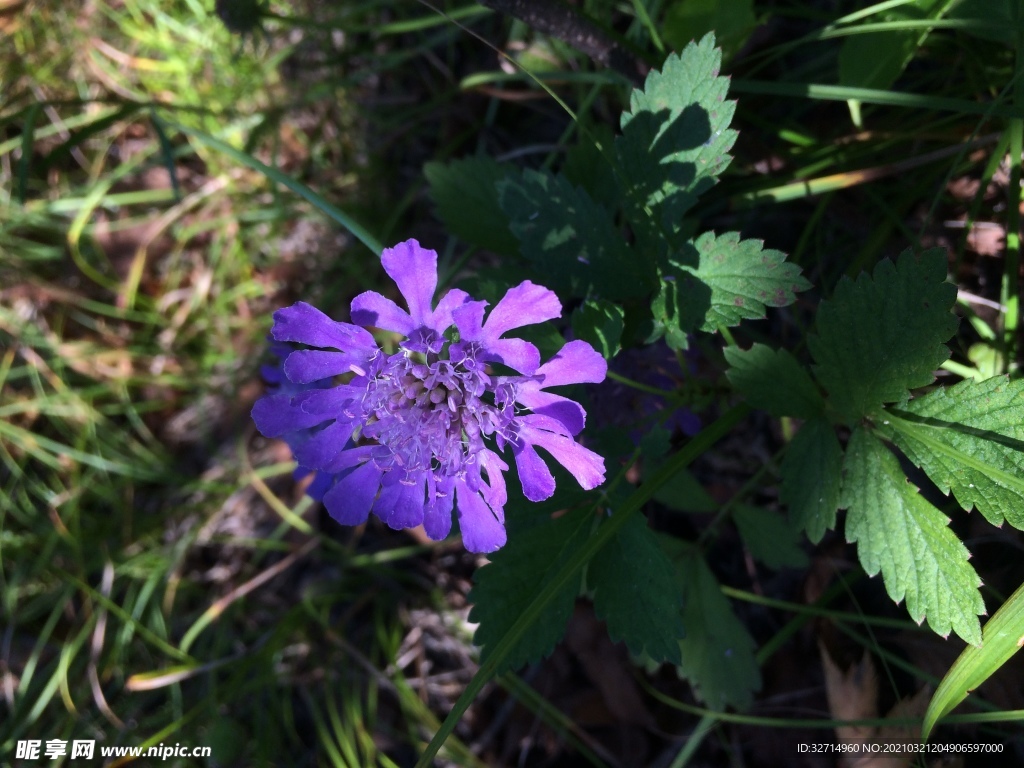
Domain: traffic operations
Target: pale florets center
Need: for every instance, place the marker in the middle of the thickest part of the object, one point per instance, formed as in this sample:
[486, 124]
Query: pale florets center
[430, 410]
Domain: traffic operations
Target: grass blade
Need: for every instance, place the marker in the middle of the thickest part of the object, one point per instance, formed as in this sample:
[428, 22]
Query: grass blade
[333, 212]
[1001, 637]
[876, 96]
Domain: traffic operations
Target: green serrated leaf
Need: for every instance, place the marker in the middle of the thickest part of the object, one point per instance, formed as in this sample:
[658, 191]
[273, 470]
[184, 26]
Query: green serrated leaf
[718, 651]
[719, 280]
[678, 309]
[769, 537]
[811, 473]
[588, 167]
[880, 336]
[635, 592]
[600, 323]
[675, 138]
[773, 380]
[900, 534]
[571, 239]
[969, 439]
[744, 279]
[466, 197]
[515, 575]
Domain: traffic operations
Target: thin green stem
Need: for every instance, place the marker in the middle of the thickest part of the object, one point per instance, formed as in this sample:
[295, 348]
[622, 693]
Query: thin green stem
[711, 529]
[639, 385]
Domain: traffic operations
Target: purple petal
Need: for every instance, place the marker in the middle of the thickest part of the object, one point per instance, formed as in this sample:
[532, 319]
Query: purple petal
[583, 464]
[305, 324]
[331, 403]
[309, 365]
[525, 304]
[567, 411]
[482, 529]
[320, 450]
[515, 353]
[494, 491]
[469, 318]
[370, 308]
[272, 374]
[350, 456]
[414, 270]
[322, 482]
[576, 363]
[537, 481]
[451, 301]
[400, 504]
[540, 421]
[276, 415]
[437, 516]
[349, 501]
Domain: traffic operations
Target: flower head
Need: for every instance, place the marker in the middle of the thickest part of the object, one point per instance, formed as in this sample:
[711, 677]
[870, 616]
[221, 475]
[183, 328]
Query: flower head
[411, 436]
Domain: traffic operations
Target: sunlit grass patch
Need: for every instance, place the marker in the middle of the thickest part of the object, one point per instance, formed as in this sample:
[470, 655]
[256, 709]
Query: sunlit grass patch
[139, 272]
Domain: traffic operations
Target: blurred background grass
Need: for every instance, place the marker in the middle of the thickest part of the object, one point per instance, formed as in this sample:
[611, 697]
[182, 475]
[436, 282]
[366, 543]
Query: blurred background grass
[162, 579]
[139, 271]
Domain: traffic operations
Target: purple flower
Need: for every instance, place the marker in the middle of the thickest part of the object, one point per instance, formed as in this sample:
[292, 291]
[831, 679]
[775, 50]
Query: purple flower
[408, 435]
[274, 376]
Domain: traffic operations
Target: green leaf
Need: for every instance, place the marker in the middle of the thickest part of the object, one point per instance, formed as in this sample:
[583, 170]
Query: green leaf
[718, 651]
[1000, 640]
[599, 323]
[654, 447]
[969, 439]
[571, 239]
[635, 592]
[684, 494]
[898, 532]
[811, 473]
[773, 380]
[876, 59]
[732, 21]
[466, 197]
[996, 19]
[879, 337]
[587, 166]
[719, 280]
[679, 308]
[675, 138]
[515, 575]
[769, 537]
